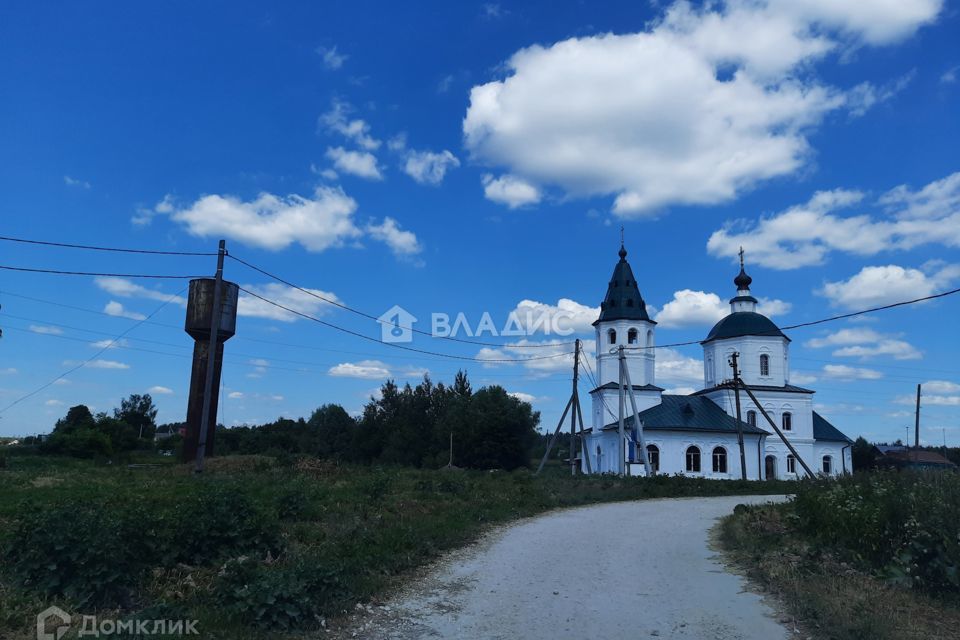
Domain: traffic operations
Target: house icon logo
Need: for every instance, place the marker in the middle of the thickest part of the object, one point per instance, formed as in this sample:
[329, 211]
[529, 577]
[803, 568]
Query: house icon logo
[396, 325]
[58, 625]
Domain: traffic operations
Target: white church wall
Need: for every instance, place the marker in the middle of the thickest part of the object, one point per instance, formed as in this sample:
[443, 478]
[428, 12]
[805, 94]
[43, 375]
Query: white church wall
[717, 355]
[839, 453]
[639, 361]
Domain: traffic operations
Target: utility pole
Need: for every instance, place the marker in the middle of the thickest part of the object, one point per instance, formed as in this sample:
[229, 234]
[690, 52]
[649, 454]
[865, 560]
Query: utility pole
[576, 406]
[637, 425]
[621, 465]
[916, 426]
[736, 399]
[211, 357]
[773, 424]
[572, 404]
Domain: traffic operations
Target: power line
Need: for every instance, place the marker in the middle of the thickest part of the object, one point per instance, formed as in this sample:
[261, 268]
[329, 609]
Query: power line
[369, 316]
[399, 346]
[93, 357]
[105, 275]
[68, 245]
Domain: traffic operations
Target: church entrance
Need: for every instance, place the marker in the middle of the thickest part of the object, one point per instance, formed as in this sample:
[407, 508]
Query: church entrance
[770, 467]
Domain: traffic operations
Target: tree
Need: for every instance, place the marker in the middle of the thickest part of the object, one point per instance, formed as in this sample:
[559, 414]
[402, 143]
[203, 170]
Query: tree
[139, 412]
[78, 417]
[862, 454]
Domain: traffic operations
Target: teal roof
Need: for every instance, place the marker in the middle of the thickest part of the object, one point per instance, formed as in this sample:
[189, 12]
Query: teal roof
[689, 413]
[623, 300]
[823, 430]
[788, 388]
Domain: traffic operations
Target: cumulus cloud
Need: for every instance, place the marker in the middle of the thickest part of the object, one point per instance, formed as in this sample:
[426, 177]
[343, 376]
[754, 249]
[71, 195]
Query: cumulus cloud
[128, 289]
[114, 308]
[861, 342]
[332, 59]
[942, 393]
[252, 307]
[523, 397]
[510, 190]
[235, 395]
[53, 403]
[75, 182]
[874, 286]
[98, 364]
[563, 317]
[803, 235]
[275, 222]
[45, 330]
[698, 308]
[866, 95]
[365, 370]
[672, 367]
[402, 243]
[705, 103]
[110, 343]
[362, 164]
[845, 373]
[338, 121]
[159, 390]
[802, 377]
[429, 167]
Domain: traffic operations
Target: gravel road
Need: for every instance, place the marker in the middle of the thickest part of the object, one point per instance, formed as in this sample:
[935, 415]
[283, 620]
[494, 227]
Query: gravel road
[624, 570]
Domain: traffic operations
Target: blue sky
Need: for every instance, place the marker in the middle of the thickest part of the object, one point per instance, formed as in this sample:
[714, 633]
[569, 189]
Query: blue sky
[457, 157]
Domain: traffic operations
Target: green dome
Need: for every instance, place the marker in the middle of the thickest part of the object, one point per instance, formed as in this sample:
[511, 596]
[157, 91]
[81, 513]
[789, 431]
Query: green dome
[744, 323]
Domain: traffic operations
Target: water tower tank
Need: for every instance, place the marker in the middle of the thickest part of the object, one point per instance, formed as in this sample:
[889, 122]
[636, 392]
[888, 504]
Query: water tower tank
[200, 309]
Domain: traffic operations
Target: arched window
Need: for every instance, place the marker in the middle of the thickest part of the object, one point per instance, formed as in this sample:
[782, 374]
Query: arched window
[827, 465]
[752, 418]
[719, 460]
[612, 335]
[787, 421]
[770, 467]
[764, 364]
[693, 459]
[649, 338]
[632, 336]
[791, 464]
[653, 457]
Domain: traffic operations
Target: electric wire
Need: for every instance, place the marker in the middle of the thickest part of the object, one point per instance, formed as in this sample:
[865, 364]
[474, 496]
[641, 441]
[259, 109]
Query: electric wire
[68, 245]
[60, 272]
[378, 320]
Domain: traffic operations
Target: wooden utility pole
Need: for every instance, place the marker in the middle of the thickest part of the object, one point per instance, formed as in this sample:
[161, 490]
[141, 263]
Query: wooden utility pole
[736, 400]
[621, 465]
[636, 415]
[775, 427]
[576, 407]
[211, 357]
[916, 427]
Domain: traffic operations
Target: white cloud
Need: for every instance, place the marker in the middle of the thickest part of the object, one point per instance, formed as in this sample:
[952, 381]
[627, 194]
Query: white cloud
[74, 182]
[510, 190]
[705, 103]
[45, 330]
[275, 222]
[128, 289]
[866, 95]
[362, 164]
[863, 342]
[803, 235]
[8, 371]
[800, 377]
[899, 349]
[874, 286]
[365, 370]
[672, 367]
[235, 395]
[114, 308]
[251, 307]
[429, 167]
[159, 390]
[679, 391]
[145, 216]
[331, 58]
[109, 344]
[567, 315]
[844, 373]
[402, 243]
[950, 75]
[699, 308]
[940, 387]
[98, 364]
[943, 393]
[523, 397]
[356, 130]
[53, 403]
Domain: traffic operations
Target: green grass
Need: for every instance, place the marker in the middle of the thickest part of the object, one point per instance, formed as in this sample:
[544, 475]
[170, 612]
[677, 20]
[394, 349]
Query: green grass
[872, 556]
[255, 548]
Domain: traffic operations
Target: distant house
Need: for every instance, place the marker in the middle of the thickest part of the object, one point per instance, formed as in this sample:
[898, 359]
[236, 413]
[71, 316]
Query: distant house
[900, 457]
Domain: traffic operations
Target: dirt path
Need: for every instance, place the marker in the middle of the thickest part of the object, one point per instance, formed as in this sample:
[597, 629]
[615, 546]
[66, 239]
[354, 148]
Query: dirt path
[624, 570]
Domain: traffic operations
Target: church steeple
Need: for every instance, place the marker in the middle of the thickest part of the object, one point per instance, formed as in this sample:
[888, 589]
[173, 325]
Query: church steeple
[623, 300]
[743, 301]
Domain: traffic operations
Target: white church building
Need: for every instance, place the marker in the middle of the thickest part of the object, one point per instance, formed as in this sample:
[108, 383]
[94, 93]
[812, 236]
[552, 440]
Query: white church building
[697, 434]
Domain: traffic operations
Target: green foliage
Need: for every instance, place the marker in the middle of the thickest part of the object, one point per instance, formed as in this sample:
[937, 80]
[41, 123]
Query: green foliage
[139, 412]
[83, 442]
[903, 524]
[863, 455]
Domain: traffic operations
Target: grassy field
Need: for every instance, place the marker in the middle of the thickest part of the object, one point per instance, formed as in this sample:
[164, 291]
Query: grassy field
[869, 557]
[257, 547]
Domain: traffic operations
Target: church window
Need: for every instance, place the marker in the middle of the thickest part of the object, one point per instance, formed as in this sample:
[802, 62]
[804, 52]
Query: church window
[693, 459]
[719, 460]
[752, 418]
[827, 464]
[649, 338]
[764, 365]
[788, 421]
[653, 457]
[791, 464]
[632, 336]
[612, 335]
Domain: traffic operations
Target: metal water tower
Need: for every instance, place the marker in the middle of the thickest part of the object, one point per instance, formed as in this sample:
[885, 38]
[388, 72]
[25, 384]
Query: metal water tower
[199, 324]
